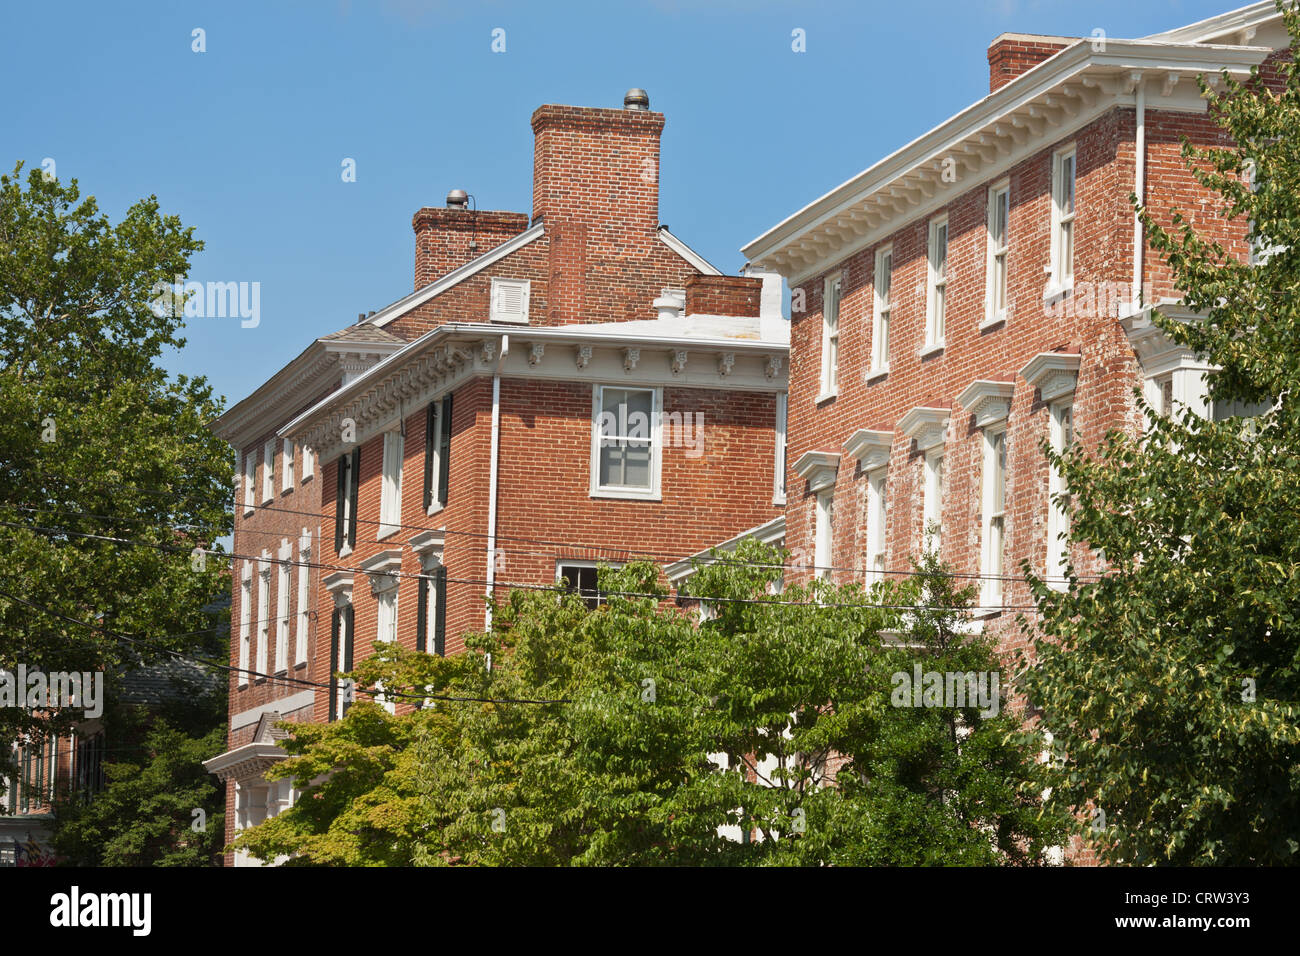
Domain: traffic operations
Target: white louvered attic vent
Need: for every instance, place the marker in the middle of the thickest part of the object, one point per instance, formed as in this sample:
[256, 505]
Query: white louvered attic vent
[510, 300]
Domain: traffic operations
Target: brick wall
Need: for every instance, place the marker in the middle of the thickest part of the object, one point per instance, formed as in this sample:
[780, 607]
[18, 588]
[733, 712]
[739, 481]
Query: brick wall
[446, 239]
[723, 295]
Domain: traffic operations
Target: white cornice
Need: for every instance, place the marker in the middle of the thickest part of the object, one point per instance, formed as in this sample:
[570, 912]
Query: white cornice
[989, 402]
[1234, 22]
[339, 585]
[926, 425]
[420, 296]
[870, 447]
[818, 468]
[1053, 373]
[1038, 107]
[382, 570]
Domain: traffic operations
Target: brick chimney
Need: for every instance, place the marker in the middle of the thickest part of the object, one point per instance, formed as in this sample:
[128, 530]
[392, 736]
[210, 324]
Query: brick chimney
[723, 295]
[446, 239]
[596, 190]
[1014, 53]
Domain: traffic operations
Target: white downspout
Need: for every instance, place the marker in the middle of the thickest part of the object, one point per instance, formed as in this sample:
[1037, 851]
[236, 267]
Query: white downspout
[492, 480]
[1139, 188]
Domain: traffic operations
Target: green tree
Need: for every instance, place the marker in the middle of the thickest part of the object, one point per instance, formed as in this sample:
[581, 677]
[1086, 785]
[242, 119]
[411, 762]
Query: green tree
[631, 735]
[98, 442]
[1170, 684]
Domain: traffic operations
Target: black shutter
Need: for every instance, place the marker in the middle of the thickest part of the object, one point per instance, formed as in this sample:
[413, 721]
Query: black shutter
[349, 640]
[430, 427]
[422, 618]
[356, 484]
[444, 450]
[339, 495]
[440, 611]
[334, 657]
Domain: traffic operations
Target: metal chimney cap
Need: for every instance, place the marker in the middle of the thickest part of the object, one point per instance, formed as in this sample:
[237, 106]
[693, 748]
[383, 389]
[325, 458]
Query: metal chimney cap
[457, 199]
[636, 99]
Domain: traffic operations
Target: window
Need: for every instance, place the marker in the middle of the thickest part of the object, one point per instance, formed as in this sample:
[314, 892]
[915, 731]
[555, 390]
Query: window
[308, 463]
[625, 440]
[995, 504]
[286, 469]
[431, 629]
[830, 337]
[580, 577]
[509, 300]
[936, 298]
[1166, 386]
[250, 483]
[999, 244]
[1063, 174]
[340, 657]
[933, 509]
[822, 542]
[345, 502]
[1058, 512]
[304, 598]
[877, 511]
[263, 611]
[778, 492]
[245, 621]
[282, 611]
[390, 497]
[268, 471]
[437, 453]
[386, 630]
[880, 313]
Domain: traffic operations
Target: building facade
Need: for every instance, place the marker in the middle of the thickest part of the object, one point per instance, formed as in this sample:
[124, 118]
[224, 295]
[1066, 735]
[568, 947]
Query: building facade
[986, 288]
[564, 388]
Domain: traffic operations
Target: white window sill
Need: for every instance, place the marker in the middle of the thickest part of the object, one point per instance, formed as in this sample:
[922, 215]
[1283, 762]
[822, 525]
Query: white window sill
[347, 549]
[626, 495]
[986, 612]
[286, 491]
[387, 530]
[993, 323]
[1056, 291]
[249, 511]
[506, 321]
[778, 499]
[876, 374]
[306, 478]
[929, 350]
[435, 508]
[825, 397]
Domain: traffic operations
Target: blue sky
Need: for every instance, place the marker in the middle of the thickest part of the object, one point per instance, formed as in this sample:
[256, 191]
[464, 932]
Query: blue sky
[246, 140]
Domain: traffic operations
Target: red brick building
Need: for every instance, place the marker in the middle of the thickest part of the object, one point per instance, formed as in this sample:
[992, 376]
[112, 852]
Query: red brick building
[560, 389]
[986, 287]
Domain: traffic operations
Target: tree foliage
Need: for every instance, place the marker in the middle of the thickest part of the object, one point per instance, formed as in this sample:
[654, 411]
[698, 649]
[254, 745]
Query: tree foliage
[631, 734]
[1170, 685]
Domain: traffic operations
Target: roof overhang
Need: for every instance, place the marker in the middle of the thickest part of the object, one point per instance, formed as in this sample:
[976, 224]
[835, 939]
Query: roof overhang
[770, 532]
[1063, 93]
[246, 762]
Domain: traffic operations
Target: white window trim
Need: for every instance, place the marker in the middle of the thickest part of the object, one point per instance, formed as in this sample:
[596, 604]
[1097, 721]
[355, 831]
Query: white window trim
[881, 313]
[653, 493]
[282, 583]
[877, 523]
[499, 285]
[830, 384]
[308, 463]
[779, 465]
[250, 484]
[1058, 518]
[934, 335]
[245, 622]
[435, 452]
[991, 589]
[824, 539]
[995, 316]
[932, 509]
[263, 610]
[390, 496]
[304, 598]
[1059, 283]
[268, 471]
[286, 466]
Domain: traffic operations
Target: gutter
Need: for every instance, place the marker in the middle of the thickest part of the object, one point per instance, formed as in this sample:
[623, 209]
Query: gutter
[492, 481]
[1139, 189]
